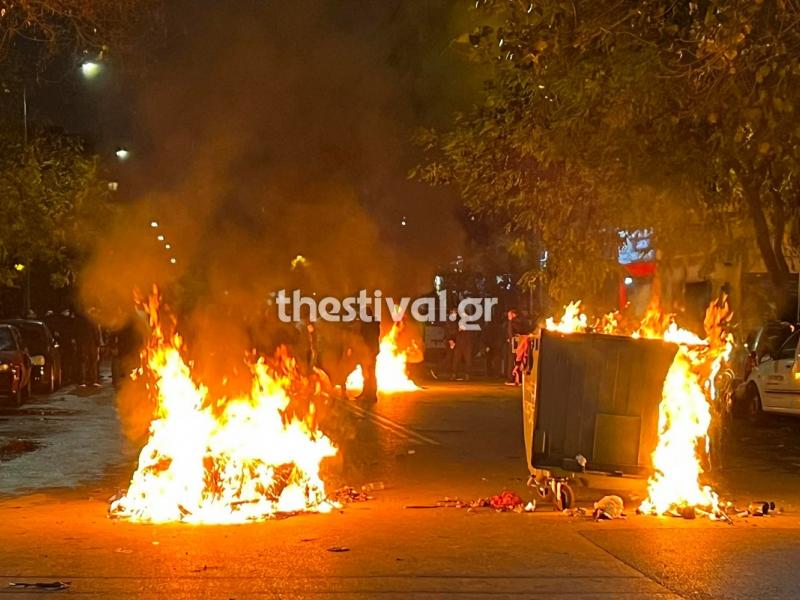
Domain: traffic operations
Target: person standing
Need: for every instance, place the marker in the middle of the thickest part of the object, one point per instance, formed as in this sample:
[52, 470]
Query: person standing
[464, 350]
[87, 335]
[371, 335]
[450, 332]
[509, 355]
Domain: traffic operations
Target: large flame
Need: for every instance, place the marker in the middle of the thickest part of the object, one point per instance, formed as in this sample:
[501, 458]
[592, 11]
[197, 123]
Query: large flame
[391, 367]
[218, 460]
[688, 393]
[685, 417]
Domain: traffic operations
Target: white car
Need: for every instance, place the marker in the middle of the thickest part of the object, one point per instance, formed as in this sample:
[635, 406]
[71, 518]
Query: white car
[773, 385]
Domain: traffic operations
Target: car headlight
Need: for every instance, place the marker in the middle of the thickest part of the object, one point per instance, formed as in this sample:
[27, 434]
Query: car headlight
[37, 361]
[4, 368]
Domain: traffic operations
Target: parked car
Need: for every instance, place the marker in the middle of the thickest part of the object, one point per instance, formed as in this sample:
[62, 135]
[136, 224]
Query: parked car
[773, 384]
[15, 365]
[44, 352]
[761, 342]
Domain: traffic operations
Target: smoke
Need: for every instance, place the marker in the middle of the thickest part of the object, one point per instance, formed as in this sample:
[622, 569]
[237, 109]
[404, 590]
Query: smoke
[264, 131]
[268, 130]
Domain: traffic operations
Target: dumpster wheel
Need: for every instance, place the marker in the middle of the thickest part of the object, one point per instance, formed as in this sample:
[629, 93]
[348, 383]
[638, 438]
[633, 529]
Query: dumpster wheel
[557, 490]
[564, 497]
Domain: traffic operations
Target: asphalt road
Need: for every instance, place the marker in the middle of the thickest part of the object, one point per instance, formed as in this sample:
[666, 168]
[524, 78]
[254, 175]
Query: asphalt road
[62, 457]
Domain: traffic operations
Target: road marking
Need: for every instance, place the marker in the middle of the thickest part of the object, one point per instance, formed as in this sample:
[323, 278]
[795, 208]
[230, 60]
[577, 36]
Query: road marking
[391, 425]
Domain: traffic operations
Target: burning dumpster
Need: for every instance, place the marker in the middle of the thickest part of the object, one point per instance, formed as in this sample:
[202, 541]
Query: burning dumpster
[591, 409]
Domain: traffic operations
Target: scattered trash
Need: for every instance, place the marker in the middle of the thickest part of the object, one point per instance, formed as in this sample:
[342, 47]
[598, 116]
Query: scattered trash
[373, 486]
[506, 501]
[338, 549]
[760, 509]
[575, 512]
[41, 585]
[608, 508]
[124, 551]
[347, 494]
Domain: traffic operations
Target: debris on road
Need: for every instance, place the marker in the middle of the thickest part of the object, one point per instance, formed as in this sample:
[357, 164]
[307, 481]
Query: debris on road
[338, 549]
[373, 486]
[608, 508]
[507, 501]
[347, 495]
[41, 585]
[760, 509]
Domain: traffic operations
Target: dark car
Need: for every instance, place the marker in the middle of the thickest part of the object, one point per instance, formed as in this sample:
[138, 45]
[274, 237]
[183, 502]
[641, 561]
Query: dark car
[15, 365]
[44, 352]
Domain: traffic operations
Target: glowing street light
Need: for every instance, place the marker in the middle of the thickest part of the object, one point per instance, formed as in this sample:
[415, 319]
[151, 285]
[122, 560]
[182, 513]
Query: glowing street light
[122, 154]
[173, 260]
[160, 238]
[629, 281]
[168, 246]
[19, 267]
[91, 69]
[153, 224]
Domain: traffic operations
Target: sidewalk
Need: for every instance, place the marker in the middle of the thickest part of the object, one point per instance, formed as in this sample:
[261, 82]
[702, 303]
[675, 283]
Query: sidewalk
[59, 441]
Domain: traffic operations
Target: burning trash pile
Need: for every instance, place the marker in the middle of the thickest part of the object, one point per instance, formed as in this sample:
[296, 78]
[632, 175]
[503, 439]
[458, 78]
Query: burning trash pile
[689, 392]
[223, 460]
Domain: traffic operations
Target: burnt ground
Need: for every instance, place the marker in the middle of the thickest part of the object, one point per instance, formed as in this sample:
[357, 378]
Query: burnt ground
[449, 440]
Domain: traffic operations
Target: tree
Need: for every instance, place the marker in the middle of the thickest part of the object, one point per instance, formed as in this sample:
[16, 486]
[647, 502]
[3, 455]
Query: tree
[601, 118]
[52, 200]
[85, 25]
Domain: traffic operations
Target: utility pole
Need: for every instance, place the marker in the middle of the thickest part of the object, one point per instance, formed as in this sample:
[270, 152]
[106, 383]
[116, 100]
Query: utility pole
[26, 285]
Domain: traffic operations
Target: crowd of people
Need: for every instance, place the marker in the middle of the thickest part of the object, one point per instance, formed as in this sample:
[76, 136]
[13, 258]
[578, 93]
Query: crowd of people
[495, 343]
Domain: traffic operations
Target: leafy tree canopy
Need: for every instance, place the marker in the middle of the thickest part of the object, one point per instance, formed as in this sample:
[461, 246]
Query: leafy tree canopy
[52, 200]
[601, 117]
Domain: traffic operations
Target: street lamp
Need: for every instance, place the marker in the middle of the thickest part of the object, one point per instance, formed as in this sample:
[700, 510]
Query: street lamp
[91, 69]
[153, 224]
[122, 154]
[160, 238]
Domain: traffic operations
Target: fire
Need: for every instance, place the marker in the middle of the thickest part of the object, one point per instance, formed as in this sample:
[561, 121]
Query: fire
[573, 320]
[685, 417]
[688, 393]
[391, 367]
[222, 460]
[683, 422]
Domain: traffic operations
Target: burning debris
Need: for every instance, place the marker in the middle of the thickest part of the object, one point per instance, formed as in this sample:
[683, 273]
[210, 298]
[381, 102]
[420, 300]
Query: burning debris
[223, 460]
